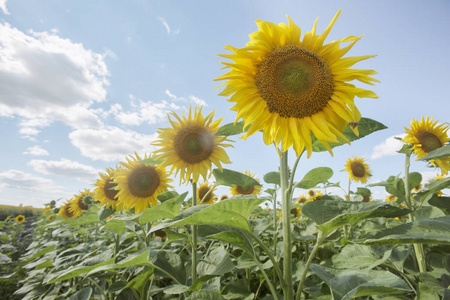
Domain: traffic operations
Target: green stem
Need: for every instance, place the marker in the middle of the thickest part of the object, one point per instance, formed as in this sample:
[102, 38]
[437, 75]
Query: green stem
[320, 239]
[272, 289]
[286, 219]
[194, 236]
[348, 190]
[96, 284]
[275, 230]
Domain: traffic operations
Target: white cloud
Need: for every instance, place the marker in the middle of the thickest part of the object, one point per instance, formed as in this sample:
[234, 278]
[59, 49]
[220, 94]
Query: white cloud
[3, 7]
[173, 97]
[143, 111]
[110, 144]
[64, 167]
[36, 151]
[197, 100]
[17, 179]
[42, 74]
[389, 147]
[111, 54]
[166, 25]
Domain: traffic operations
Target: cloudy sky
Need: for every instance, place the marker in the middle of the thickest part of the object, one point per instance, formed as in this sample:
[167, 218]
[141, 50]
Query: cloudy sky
[83, 84]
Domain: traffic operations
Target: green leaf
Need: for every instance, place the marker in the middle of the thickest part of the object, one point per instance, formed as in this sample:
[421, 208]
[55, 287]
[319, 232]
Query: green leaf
[166, 196]
[104, 213]
[230, 178]
[137, 259]
[333, 214]
[83, 294]
[139, 282]
[234, 238]
[363, 191]
[314, 177]
[366, 126]
[394, 186]
[170, 263]
[165, 210]
[41, 252]
[440, 202]
[4, 259]
[426, 231]
[231, 129]
[348, 284]
[434, 187]
[117, 226]
[406, 149]
[415, 178]
[427, 212]
[354, 256]
[443, 152]
[88, 217]
[46, 264]
[217, 262]
[205, 295]
[273, 177]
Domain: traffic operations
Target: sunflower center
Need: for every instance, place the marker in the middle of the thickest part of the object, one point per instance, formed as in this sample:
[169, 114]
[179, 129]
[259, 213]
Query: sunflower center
[429, 141]
[202, 192]
[194, 144]
[294, 82]
[358, 169]
[109, 190]
[294, 212]
[143, 181]
[81, 204]
[245, 190]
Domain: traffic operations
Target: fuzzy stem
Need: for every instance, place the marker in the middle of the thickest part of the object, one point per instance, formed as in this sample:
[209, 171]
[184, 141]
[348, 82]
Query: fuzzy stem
[194, 236]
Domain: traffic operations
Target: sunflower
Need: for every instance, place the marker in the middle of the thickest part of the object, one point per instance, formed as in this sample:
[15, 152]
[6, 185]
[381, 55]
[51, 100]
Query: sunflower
[224, 197]
[291, 88]
[311, 194]
[254, 190]
[105, 190]
[50, 217]
[358, 170]
[81, 202]
[202, 191]
[65, 211]
[191, 145]
[139, 184]
[296, 212]
[426, 136]
[20, 219]
[391, 198]
[302, 199]
[47, 209]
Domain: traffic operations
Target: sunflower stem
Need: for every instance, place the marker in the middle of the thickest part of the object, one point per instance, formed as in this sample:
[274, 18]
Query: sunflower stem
[275, 230]
[418, 248]
[194, 235]
[286, 219]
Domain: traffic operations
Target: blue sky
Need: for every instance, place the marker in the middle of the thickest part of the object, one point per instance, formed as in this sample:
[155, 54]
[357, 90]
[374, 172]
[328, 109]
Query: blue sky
[83, 84]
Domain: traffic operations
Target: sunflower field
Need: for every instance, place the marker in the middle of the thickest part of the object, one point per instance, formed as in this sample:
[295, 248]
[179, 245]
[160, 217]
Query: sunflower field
[132, 235]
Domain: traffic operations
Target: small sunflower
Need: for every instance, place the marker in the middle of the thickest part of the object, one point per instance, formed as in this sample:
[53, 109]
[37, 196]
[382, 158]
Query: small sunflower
[302, 199]
[105, 190]
[291, 88]
[139, 184]
[47, 209]
[366, 198]
[81, 202]
[358, 170]
[426, 136]
[391, 198]
[224, 197]
[20, 219]
[254, 190]
[311, 194]
[191, 145]
[318, 195]
[160, 233]
[65, 211]
[50, 217]
[418, 187]
[202, 190]
[296, 212]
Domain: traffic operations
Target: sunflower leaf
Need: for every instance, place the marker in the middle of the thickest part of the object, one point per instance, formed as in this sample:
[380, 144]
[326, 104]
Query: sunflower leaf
[231, 129]
[273, 177]
[167, 209]
[314, 177]
[443, 152]
[230, 178]
[366, 126]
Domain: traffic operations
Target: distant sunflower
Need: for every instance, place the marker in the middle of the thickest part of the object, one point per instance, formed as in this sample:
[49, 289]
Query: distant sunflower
[358, 170]
[201, 193]
[426, 136]
[254, 190]
[291, 88]
[296, 212]
[105, 190]
[391, 198]
[139, 184]
[65, 210]
[302, 199]
[191, 145]
[224, 197]
[50, 217]
[20, 219]
[311, 194]
[81, 202]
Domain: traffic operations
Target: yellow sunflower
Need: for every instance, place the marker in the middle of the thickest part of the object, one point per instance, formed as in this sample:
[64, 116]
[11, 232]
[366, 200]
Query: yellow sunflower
[201, 193]
[292, 88]
[254, 190]
[391, 198]
[105, 190]
[139, 184]
[65, 210]
[20, 219]
[191, 145]
[358, 170]
[311, 194]
[224, 197]
[302, 199]
[426, 136]
[81, 202]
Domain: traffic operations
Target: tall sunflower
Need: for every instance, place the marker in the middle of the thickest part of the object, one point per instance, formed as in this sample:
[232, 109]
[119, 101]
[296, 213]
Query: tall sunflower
[426, 136]
[358, 170]
[65, 210]
[254, 190]
[292, 88]
[106, 191]
[191, 145]
[81, 202]
[139, 184]
[202, 190]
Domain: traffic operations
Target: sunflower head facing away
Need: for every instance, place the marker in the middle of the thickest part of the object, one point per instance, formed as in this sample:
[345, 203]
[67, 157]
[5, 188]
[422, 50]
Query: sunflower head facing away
[105, 190]
[81, 202]
[254, 190]
[426, 136]
[358, 170]
[191, 145]
[291, 88]
[65, 211]
[202, 191]
[139, 184]
[20, 219]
